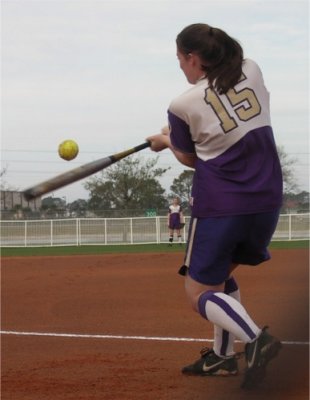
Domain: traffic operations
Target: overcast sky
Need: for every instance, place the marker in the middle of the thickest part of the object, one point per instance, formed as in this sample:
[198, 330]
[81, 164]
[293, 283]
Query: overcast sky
[104, 72]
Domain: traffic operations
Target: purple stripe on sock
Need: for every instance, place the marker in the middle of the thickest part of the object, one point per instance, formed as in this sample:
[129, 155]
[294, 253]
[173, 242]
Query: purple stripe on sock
[233, 315]
[230, 286]
[225, 337]
[202, 302]
[209, 296]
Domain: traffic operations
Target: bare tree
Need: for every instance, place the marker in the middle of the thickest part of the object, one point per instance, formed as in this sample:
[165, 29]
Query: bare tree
[287, 164]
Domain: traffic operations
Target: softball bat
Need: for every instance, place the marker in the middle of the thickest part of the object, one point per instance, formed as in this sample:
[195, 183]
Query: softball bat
[78, 173]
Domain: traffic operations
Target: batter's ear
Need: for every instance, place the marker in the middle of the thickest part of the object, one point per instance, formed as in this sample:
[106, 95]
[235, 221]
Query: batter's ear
[190, 58]
[194, 59]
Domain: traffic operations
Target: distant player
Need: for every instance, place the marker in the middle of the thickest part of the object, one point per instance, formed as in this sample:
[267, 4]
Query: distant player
[175, 218]
[221, 127]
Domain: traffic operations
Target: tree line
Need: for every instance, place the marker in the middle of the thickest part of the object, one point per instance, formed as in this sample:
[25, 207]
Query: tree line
[132, 187]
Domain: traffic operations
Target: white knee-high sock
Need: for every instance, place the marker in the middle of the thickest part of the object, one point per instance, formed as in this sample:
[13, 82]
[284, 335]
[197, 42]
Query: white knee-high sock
[229, 314]
[224, 340]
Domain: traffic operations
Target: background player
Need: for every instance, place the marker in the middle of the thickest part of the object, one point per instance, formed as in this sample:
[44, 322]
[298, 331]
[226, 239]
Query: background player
[221, 127]
[175, 218]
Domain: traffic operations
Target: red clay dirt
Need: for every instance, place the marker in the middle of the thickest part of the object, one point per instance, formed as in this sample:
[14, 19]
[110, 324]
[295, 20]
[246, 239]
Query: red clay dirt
[140, 295]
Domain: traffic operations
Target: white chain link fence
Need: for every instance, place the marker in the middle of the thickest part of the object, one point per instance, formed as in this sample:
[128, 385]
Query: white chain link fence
[108, 231]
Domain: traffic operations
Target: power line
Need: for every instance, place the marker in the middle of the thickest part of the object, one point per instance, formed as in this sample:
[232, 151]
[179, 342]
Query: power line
[102, 152]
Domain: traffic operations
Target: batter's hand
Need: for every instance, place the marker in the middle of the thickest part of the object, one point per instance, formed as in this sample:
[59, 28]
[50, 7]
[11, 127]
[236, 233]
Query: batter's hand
[159, 142]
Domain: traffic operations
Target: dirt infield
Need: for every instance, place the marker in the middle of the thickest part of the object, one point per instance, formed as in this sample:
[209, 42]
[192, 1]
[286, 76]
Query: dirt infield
[139, 295]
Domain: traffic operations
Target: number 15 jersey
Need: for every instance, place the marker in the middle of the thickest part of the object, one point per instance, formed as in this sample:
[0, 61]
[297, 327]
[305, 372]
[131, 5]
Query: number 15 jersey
[237, 169]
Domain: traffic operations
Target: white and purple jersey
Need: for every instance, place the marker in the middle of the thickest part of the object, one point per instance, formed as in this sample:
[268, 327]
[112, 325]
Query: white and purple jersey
[237, 169]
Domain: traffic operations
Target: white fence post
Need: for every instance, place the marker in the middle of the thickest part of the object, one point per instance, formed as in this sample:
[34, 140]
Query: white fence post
[26, 226]
[131, 231]
[157, 224]
[105, 232]
[51, 232]
[78, 231]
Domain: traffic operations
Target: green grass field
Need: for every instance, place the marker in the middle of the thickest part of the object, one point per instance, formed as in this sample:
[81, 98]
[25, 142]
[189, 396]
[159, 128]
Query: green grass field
[143, 248]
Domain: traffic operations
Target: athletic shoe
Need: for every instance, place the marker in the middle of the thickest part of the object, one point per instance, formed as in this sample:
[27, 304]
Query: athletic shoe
[258, 354]
[211, 364]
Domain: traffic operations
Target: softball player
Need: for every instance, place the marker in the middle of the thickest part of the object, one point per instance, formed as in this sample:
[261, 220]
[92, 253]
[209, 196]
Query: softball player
[221, 127]
[175, 217]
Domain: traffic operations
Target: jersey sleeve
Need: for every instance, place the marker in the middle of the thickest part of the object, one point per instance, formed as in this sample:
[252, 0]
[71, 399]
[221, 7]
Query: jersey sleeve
[180, 134]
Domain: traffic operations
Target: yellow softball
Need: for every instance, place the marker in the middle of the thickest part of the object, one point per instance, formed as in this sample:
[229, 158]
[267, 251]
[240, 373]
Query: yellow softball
[68, 149]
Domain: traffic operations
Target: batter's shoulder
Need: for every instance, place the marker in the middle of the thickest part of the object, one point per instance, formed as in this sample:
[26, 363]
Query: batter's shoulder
[250, 67]
[186, 103]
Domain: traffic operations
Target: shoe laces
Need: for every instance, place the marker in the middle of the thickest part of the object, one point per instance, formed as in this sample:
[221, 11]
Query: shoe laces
[205, 351]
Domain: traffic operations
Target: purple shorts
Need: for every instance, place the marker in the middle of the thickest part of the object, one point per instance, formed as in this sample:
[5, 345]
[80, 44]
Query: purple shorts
[214, 244]
[174, 221]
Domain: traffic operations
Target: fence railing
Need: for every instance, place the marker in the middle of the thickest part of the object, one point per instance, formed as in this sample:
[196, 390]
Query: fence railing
[107, 231]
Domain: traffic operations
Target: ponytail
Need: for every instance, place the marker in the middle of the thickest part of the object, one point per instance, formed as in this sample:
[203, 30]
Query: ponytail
[221, 55]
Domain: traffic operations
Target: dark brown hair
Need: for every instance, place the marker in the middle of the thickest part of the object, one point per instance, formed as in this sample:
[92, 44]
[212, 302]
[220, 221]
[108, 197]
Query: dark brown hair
[221, 55]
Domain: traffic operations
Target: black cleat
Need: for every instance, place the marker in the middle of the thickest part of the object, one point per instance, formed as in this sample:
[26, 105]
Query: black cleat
[211, 364]
[258, 354]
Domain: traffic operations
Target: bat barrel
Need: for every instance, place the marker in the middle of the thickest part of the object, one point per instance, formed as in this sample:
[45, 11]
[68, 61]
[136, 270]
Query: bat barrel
[67, 177]
[78, 173]
[31, 194]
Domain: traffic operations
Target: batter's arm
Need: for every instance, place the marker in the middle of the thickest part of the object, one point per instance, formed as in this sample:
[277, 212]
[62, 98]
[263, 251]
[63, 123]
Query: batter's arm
[162, 141]
[188, 160]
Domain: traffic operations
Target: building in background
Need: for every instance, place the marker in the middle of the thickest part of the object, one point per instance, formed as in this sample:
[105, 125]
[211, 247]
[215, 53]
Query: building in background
[14, 201]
